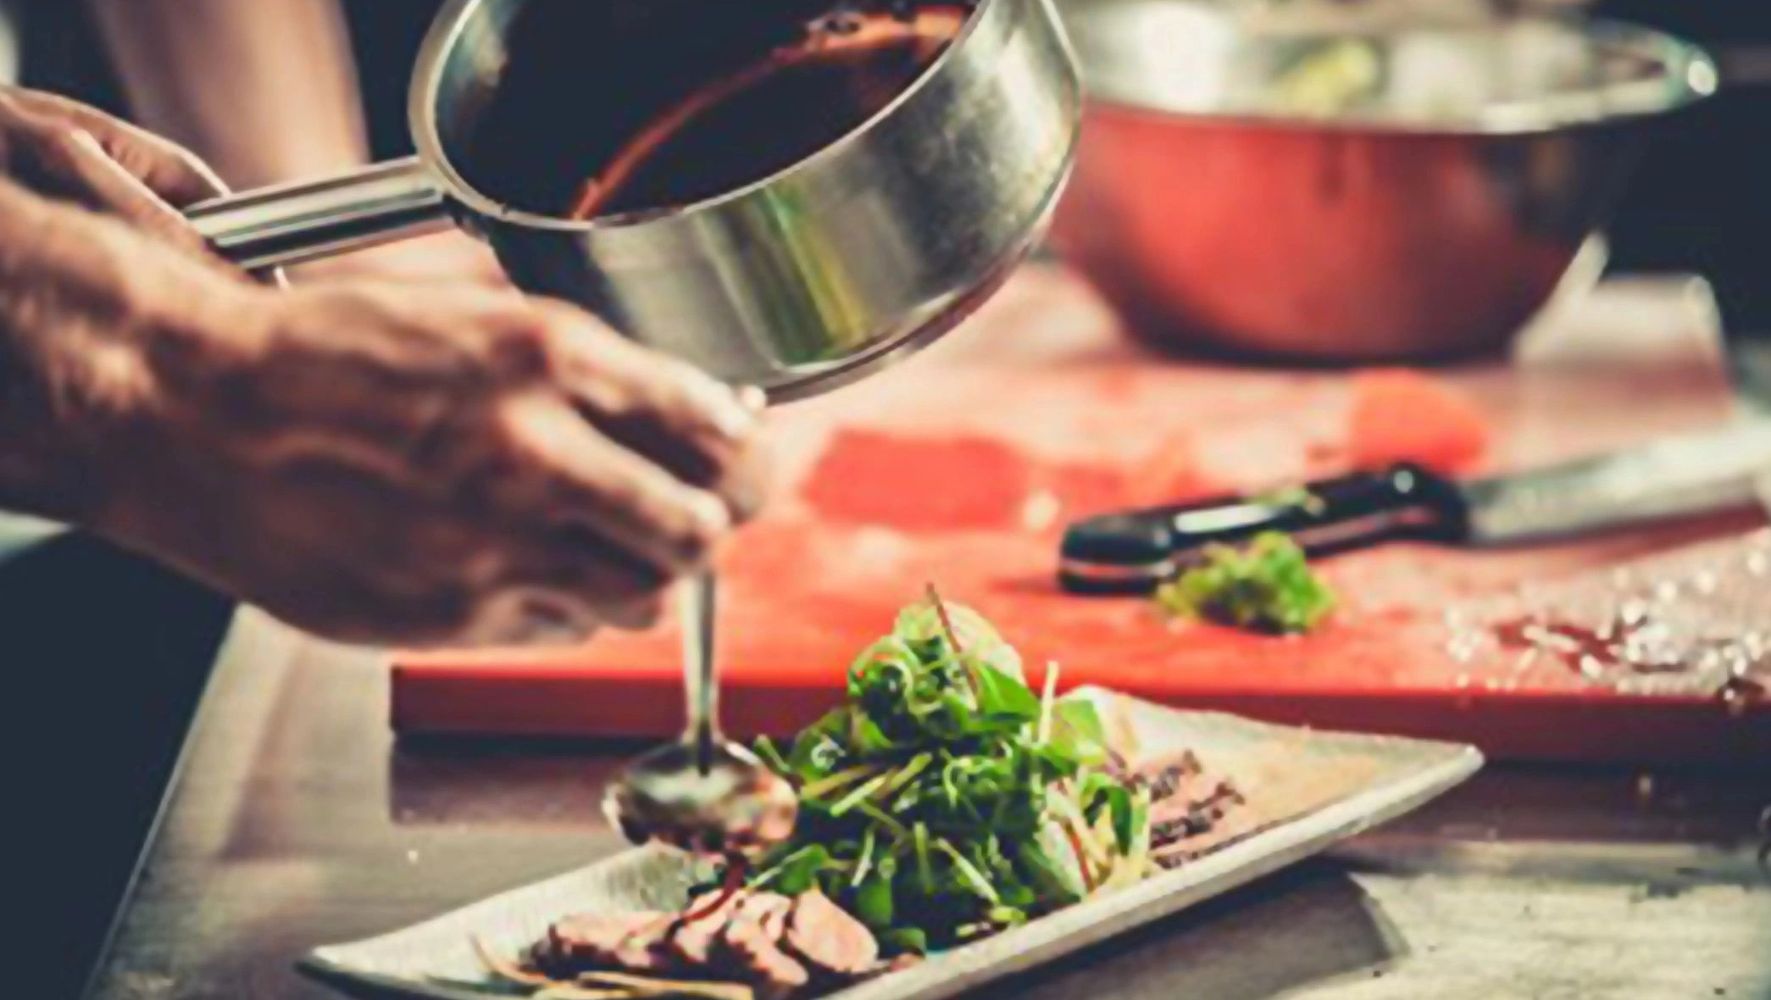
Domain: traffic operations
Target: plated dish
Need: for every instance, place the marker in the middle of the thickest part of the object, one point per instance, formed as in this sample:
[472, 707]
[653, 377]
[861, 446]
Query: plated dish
[957, 824]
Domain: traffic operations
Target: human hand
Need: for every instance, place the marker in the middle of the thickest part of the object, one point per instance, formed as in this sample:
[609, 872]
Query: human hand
[462, 466]
[68, 150]
[459, 467]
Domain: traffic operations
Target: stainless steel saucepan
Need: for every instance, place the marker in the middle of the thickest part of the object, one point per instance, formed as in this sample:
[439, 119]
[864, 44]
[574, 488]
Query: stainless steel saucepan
[796, 283]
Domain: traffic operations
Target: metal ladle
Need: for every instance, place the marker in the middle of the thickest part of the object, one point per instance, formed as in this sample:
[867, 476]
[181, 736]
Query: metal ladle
[703, 793]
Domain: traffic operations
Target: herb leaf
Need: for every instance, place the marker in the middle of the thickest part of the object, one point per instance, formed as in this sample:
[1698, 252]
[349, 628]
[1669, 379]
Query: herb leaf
[1266, 587]
[930, 800]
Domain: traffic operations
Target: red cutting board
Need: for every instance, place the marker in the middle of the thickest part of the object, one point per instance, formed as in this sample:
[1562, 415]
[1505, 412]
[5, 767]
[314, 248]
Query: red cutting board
[961, 468]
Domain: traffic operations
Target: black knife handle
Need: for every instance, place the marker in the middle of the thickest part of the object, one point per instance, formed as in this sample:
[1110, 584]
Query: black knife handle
[1134, 551]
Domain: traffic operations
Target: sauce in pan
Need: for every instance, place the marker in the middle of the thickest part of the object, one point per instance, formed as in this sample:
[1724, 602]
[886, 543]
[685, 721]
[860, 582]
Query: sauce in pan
[625, 106]
[773, 113]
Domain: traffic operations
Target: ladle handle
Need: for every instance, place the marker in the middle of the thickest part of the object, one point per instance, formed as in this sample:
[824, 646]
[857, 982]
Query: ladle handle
[293, 223]
[700, 607]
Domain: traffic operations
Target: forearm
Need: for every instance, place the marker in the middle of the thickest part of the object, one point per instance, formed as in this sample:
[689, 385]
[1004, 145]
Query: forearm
[265, 90]
[85, 307]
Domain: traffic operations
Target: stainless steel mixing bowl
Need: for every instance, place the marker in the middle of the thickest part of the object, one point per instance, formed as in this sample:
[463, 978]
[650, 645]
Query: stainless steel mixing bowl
[1324, 188]
[796, 283]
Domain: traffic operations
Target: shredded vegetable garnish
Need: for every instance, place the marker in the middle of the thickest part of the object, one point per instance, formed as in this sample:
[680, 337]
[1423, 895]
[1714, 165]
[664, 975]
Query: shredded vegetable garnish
[1267, 587]
[946, 800]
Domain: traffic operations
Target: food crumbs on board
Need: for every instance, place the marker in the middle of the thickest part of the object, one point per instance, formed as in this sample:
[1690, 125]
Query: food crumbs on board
[1635, 644]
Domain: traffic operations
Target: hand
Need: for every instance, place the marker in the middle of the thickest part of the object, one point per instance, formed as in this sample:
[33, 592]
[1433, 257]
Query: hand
[461, 466]
[65, 149]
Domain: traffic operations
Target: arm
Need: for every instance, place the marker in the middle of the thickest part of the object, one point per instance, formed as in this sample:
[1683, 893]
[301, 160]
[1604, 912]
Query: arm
[265, 90]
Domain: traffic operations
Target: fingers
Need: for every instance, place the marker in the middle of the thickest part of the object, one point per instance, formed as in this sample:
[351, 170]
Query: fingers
[529, 617]
[75, 157]
[445, 411]
[73, 151]
[504, 472]
[165, 168]
[573, 477]
[556, 588]
[560, 588]
[632, 468]
[700, 429]
[578, 567]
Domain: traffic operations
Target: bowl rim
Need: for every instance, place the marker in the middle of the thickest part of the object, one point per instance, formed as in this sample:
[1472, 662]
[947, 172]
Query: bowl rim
[1691, 76]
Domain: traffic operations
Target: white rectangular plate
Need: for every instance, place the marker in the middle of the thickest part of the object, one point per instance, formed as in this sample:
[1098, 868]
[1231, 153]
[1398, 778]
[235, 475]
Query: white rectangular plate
[1306, 789]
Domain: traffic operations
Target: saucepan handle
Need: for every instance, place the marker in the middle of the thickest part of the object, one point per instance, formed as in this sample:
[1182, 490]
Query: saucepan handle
[293, 223]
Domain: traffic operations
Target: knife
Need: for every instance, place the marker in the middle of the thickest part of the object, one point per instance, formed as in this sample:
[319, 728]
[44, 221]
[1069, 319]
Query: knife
[1134, 551]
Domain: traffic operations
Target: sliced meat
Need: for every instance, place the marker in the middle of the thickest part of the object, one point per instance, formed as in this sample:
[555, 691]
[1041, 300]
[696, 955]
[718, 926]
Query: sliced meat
[770, 912]
[750, 947]
[827, 938]
[1193, 811]
[767, 910]
[632, 941]
[1193, 802]
[1168, 781]
[692, 941]
[908, 960]
[1188, 828]
[898, 963]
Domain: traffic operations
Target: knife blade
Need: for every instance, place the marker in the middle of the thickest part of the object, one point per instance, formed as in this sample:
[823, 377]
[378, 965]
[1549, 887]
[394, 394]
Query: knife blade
[1684, 476]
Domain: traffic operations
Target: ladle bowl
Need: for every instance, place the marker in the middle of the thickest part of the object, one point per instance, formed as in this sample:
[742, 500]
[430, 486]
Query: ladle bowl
[702, 794]
[735, 806]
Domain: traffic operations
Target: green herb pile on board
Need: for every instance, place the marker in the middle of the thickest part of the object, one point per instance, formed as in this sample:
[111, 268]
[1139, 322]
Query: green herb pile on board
[1267, 586]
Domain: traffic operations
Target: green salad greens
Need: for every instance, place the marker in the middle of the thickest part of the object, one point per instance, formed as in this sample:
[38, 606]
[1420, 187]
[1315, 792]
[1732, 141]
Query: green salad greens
[945, 800]
[1267, 586]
